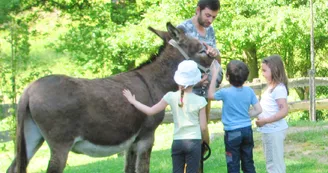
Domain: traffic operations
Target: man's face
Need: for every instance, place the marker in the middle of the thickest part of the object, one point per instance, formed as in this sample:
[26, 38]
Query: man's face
[206, 16]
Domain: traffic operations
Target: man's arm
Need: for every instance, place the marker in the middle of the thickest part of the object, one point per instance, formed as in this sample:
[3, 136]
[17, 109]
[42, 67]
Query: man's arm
[218, 57]
[213, 44]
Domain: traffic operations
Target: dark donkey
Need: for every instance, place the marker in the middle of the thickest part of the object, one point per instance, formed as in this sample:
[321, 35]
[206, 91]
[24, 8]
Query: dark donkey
[92, 117]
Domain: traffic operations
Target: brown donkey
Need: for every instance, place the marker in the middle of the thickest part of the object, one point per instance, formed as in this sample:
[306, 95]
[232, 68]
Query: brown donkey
[92, 117]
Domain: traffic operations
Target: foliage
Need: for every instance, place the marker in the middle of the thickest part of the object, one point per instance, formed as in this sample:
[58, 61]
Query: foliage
[271, 27]
[106, 46]
[19, 41]
[321, 115]
[252, 30]
[5, 9]
[245, 29]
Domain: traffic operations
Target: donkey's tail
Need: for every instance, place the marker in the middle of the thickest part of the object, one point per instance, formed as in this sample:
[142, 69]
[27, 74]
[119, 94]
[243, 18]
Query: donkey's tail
[21, 155]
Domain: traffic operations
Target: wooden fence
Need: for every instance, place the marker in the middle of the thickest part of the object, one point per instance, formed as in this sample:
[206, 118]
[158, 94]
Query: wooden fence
[258, 87]
[216, 113]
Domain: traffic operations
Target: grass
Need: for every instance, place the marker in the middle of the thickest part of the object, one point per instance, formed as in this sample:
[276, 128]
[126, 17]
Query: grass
[306, 151]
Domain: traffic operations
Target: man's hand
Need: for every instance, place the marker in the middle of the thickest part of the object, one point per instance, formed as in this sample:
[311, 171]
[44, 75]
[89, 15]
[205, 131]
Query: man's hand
[212, 52]
[203, 81]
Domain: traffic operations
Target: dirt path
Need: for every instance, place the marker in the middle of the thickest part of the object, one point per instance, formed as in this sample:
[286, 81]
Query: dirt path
[299, 150]
[305, 128]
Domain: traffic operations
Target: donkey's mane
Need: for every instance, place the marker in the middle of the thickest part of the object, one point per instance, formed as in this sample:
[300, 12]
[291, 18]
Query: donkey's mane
[152, 58]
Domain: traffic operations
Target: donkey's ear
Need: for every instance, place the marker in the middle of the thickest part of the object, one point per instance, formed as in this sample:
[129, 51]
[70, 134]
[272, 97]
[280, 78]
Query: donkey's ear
[173, 32]
[163, 34]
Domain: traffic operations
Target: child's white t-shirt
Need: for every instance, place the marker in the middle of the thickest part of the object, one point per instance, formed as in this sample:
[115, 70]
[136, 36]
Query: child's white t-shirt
[270, 108]
[186, 118]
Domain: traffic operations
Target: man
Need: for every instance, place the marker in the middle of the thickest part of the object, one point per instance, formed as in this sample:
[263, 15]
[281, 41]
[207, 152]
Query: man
[199, 26]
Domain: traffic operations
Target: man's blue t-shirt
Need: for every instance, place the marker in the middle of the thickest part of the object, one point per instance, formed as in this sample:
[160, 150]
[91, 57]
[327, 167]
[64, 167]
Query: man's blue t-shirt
[236, 104]
[189, 28]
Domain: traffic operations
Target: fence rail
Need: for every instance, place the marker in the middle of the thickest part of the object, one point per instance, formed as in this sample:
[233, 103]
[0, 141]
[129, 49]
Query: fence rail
[258, 87]
[292, 107]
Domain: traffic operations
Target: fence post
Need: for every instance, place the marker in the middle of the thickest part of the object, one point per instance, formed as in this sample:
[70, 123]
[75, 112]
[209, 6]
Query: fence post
[312, 71]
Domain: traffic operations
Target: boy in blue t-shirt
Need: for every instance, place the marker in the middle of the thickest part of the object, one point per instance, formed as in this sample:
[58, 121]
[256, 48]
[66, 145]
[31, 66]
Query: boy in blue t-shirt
[236, 113]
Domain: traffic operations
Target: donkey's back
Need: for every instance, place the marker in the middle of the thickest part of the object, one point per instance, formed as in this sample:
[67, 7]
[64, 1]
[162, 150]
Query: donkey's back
[72, 108]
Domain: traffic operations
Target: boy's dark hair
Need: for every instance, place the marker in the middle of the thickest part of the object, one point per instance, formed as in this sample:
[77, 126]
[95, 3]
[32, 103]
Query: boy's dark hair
[213, 5]
[237, 73]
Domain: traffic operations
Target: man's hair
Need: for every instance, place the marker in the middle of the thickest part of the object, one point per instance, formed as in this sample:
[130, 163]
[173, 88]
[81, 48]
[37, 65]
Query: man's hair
[237, 72]
[213, 5]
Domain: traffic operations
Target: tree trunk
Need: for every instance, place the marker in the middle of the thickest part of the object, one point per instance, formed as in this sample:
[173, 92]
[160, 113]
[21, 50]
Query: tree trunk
[13, 67]
[251, 60]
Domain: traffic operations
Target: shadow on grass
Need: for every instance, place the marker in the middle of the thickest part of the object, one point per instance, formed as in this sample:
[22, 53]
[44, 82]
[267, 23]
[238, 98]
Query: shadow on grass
[160, 163]
[108, 165]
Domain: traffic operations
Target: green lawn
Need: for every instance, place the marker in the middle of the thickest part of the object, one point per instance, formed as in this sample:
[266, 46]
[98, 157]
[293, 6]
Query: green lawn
[306, 151]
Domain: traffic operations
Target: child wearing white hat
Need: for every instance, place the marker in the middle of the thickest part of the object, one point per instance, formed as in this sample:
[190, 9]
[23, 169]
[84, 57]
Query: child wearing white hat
[188, 109]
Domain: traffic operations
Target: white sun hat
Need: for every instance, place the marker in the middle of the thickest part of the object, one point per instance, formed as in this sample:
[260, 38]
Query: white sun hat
[187, 74]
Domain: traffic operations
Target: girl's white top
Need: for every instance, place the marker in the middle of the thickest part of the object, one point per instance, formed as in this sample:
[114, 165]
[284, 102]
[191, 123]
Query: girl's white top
[186, 118]
[270, 108]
